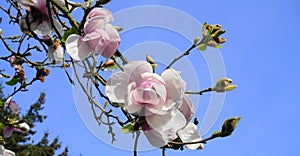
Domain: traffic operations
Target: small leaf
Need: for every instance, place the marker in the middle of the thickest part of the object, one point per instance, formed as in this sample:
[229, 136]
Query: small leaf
[128, 128]
[12, 81]
[229, 126]
[113, 67]
[1, 103]
[219, 46]
[68, 33]
[2, 125]
[115, 104]
[202, 47]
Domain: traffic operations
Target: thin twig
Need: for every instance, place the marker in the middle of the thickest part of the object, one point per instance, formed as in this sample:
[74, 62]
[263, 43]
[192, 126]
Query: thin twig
[200, 92]
[178, 58]
[136, 143]
[163, 151]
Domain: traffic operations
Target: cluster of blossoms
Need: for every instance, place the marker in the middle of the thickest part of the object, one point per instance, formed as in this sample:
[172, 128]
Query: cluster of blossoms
[100, 37]
[160, 103]
[11, 124]
[160, 99]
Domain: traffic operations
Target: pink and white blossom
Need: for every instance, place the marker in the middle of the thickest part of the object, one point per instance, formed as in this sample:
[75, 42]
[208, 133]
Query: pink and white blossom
[22, 127]
[38, 18]
[100, 37]
[56, 53]
[156, 95]
[12, 105]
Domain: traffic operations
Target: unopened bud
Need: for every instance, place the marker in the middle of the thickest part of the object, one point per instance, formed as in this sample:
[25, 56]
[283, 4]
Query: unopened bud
[196, 41]
[118, 28]
[229, 126]
[202, 47]
[150, 59]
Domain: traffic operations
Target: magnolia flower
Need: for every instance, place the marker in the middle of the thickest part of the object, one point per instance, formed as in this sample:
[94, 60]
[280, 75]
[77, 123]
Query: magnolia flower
[22, 127]
[100, 36]
[223, 84]
[6, 152]
[55, 53]
[12, 105]
[38, 18]
[1, 32]
[156, 97]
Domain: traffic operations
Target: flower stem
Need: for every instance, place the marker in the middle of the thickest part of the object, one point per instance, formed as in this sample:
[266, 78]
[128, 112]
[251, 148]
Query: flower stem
[138, 133]
[200, 92]
[163, 151]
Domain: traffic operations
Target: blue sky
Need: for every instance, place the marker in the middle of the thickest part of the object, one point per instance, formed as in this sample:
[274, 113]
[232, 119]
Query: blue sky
[260, 55]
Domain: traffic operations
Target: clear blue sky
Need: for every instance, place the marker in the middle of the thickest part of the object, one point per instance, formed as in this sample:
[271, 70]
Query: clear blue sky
[261, 56]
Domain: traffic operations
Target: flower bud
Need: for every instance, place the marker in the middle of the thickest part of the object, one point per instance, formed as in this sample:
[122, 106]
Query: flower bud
[202, 47]
[196, 41]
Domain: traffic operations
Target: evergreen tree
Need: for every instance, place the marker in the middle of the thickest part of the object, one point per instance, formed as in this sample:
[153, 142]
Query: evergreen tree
[21, 142]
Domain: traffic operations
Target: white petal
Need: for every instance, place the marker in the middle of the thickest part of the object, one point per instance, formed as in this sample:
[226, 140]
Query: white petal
[116, 87]
[24, 126]
[190, 134]
[131, 105]
[76, 48]
[155, 138]
[175, 85]
[174, 121]
[8, 153]
[57, 25]
[135, 69]
[187, 107]
[42, 29]
[7, 102]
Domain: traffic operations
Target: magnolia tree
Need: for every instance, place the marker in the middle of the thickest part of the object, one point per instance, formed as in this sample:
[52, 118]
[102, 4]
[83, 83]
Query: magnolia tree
[156, 105]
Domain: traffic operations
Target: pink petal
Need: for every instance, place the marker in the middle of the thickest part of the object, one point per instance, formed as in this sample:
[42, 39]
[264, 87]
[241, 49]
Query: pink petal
[135, 69]
[114, 41]
[77, 48]
[97, 40]
[26, 4]
[190, 134]
[42, 29]
[57, 25]
[116, 87]
[173, 121]
[41, 5]
[102, 13]
[175, 85]
[146, 96]
[14, 107]
[187, 107]
[132, 106]
[93, 24]
[7, 132]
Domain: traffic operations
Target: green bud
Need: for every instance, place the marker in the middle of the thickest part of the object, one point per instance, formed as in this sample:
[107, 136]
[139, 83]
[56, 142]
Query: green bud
[202, 47]
[229, 126]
